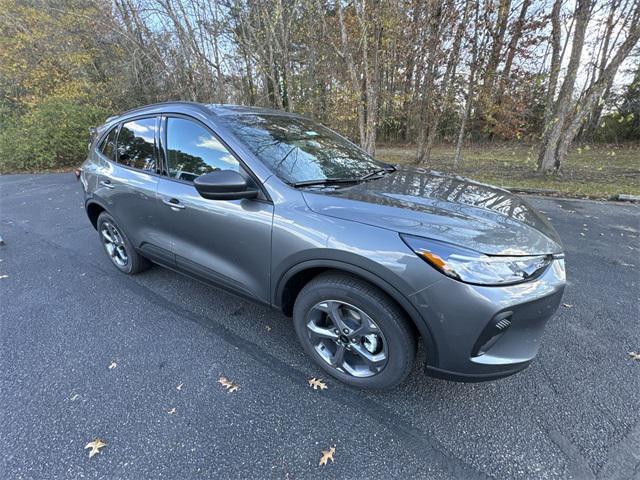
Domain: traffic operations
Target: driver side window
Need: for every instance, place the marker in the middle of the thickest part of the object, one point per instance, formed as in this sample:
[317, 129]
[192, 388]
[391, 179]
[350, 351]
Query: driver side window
[193, 151]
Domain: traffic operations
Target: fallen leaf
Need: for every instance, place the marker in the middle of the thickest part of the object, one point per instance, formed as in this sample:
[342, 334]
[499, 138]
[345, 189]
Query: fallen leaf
[228, 384]
[172, 411]
[634, 355]
[567, 305]
[179, 387]
[95, 446]
[317, 383]
[112, 365]
[327, 455]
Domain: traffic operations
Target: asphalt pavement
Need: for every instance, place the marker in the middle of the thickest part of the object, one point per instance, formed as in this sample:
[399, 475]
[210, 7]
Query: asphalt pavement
[67, 315]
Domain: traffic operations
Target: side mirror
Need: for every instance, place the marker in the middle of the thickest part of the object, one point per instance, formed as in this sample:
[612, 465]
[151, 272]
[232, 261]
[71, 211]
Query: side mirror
[224, 185]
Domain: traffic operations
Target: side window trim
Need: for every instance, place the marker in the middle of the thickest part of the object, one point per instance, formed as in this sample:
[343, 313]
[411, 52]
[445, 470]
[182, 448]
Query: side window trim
[98, 147]
[162, 142]
[155, 144]
[264, 197]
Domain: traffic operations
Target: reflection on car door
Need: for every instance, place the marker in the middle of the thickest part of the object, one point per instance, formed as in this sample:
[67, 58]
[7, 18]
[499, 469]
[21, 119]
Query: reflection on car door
[224, 241]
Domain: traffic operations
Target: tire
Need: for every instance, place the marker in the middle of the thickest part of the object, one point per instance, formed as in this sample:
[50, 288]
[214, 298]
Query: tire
[334, 299]
[118, 247]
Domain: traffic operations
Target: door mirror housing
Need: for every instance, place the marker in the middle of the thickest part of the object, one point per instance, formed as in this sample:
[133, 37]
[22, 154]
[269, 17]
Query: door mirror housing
[224, 185]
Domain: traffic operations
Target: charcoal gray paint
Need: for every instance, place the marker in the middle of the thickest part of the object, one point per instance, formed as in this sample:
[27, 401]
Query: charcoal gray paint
[253, 246]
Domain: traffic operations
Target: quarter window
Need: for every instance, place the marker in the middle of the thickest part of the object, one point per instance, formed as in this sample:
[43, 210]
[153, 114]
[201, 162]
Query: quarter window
[136, 144]
[193, 151]
[108, 145]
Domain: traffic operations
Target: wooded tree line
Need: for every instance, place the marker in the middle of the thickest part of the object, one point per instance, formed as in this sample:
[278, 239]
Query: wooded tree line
[410, 71]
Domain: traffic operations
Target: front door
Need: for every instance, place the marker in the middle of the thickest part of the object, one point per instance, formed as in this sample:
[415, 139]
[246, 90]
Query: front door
[227, 242]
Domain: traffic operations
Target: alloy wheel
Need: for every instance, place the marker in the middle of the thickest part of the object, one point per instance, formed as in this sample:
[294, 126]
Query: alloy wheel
[347, 338]
[114, 244]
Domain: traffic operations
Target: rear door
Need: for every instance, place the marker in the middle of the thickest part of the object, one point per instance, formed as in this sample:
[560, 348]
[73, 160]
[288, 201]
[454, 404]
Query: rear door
[227, 242]
[129, 182]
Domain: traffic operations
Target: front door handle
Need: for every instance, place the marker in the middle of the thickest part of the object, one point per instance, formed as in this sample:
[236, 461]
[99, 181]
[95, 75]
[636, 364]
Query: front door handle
[173, 203]
[106, 183]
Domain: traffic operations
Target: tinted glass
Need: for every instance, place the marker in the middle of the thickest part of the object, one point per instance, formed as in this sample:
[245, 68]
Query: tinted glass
[193, 151]
[136, 144]
[108, 145]
[300, 150]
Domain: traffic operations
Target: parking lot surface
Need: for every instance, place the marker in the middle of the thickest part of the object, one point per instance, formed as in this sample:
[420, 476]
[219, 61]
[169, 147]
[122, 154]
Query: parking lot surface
[67, 315]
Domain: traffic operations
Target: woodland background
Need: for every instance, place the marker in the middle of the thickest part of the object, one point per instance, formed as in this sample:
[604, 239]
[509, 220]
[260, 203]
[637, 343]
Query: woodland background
[542, 93]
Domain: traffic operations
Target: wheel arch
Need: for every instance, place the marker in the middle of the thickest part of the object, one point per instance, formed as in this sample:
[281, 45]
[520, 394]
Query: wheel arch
[94, 209]
[294, 279]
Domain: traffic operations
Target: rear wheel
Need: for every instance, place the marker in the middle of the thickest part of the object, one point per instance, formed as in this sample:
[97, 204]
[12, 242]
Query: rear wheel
[354, 331]
[118, 247]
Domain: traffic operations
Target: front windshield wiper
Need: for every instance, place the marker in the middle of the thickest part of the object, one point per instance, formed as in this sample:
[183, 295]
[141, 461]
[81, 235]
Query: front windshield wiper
[326, 182]
[378, 173]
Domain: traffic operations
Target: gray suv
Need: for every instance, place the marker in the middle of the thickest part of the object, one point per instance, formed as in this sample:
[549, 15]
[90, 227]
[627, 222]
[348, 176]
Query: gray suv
[367, 257]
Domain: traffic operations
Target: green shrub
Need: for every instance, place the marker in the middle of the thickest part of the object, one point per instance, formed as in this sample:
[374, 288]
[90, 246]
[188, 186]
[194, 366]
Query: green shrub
[52, 135]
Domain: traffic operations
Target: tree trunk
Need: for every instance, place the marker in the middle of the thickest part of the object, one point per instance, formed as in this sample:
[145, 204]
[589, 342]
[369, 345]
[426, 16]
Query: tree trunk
[594, 117]
[547, 160]
[470, 88]
[595, 91]
[554, 71]
[433, 45]
[513, 47]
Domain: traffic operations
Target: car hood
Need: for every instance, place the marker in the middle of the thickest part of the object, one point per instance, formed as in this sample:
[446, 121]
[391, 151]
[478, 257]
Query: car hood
[451, 209]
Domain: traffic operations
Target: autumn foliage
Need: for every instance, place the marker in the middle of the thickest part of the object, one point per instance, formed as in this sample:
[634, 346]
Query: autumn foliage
[417, 72]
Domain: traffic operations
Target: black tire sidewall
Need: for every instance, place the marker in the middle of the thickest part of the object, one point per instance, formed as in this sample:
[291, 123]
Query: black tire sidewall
[401, 344]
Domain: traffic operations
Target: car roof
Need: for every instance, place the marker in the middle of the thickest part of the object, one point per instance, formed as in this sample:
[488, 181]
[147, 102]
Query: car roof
[224, 109]
[216, 109]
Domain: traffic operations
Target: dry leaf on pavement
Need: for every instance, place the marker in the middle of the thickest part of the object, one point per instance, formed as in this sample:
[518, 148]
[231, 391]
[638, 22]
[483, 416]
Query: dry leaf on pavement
[634, 355]
[317, 383]
[228, 384]
[327, 455]
[95, 446]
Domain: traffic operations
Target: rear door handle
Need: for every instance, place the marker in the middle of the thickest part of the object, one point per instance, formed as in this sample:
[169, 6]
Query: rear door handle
[106, 183]
[173, 203]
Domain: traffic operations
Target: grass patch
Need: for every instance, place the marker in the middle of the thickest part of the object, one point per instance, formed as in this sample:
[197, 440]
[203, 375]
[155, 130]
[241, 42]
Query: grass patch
[599, 171]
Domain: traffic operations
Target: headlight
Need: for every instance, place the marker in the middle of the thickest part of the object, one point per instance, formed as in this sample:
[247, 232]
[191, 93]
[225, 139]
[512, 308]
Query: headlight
[470, 266]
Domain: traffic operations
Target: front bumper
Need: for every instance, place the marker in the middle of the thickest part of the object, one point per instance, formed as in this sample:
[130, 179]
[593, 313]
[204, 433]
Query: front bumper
[484, 333]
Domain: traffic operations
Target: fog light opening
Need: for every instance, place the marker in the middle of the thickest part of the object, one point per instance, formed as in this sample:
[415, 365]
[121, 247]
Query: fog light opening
[492, 333]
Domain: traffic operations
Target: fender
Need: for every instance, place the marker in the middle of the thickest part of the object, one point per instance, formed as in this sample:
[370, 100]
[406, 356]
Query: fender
[391, 290]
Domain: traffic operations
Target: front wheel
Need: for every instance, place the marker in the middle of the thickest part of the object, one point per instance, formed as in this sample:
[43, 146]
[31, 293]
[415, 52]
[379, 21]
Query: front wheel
[354, 331]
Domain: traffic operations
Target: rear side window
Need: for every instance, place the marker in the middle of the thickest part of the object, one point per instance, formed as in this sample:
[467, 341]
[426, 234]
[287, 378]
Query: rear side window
[193, 151]
[108, 145]
[136, 144]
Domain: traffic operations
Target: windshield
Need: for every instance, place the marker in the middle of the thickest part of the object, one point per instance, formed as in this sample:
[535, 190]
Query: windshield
[299, 150]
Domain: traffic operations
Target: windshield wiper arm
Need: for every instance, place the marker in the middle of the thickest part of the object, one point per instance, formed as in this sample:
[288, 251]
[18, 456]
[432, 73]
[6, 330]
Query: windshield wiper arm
[379, 172]
[326, 181]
